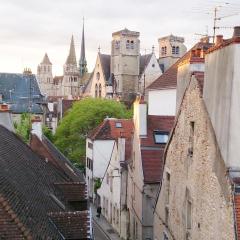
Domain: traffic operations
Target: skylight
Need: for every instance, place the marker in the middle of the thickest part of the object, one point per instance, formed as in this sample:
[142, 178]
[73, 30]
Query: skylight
[160, 137]
[118, 125]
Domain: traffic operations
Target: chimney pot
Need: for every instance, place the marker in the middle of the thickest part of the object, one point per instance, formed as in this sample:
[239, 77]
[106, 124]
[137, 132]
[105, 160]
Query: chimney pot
[236, 32]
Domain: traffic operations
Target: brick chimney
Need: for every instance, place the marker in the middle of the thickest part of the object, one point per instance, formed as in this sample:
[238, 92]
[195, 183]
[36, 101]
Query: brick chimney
[236, 33]
[37, 127]
[5, 117]
[218, 40]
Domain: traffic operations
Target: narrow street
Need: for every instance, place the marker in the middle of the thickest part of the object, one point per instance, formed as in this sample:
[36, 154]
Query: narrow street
[98, 232]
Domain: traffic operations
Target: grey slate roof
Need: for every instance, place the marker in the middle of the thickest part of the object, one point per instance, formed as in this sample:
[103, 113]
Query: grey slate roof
[28, 183]
[105, 62]
[144, 60]
[15, 89]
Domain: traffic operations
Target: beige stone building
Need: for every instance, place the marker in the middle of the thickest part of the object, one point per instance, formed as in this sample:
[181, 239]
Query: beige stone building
[199, 193]
[144, 169]
[171, 48]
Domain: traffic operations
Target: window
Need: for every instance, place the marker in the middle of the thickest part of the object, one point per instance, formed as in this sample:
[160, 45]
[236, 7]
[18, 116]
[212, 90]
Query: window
[132, 44]
[160, 137]
[173, 50]
[177, 50]
[165, 236]
[96, 91]
[118, 125]
[191, 139]
[117, 44]
[127, 44]
[163, 51]
[98, 75]
[107, 178]
[189, 214]
[153, 65]
[90, 145]
[167, 187]
[100, 90]
[166, 215]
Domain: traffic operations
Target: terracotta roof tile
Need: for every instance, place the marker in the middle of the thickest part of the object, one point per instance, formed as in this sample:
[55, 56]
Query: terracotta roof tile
[169, 78]
[107, 130]
[152, 153]
[72, 225]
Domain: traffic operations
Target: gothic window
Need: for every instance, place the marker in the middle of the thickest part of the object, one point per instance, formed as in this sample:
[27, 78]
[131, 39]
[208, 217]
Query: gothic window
[100, 90]
[191, 139]
[173, 50]
[128, 44]
[177, 50]
[96, 91]
[98, 75]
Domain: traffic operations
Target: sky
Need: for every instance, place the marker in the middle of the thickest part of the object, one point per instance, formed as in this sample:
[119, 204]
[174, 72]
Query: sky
[29, 28]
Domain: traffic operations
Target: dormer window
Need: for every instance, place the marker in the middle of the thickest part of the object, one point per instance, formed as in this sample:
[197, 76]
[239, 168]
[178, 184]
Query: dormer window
[160, 137]
[118, 125]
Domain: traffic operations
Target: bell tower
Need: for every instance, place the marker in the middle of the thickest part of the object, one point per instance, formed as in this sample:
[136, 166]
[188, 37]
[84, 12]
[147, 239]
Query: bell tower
[125, 57]
[44, 76]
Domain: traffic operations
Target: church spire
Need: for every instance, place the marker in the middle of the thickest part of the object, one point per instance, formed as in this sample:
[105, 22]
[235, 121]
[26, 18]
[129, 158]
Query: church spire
[71, 59]
[83, 61]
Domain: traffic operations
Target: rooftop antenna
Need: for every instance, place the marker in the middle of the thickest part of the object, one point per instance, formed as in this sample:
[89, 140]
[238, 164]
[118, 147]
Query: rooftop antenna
[217, 18]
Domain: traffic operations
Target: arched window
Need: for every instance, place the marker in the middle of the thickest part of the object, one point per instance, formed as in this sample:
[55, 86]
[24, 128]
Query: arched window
[177, 50]
[96, 91]
[100, 90]
[127, 44]
[132, 44]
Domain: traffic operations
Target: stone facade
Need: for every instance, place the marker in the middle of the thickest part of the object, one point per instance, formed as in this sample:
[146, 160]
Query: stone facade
[171, 48]
[195, 200]
[45, 77]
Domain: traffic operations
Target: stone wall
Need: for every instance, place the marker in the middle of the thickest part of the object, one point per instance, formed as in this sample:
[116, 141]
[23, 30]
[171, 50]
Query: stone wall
[201, 179]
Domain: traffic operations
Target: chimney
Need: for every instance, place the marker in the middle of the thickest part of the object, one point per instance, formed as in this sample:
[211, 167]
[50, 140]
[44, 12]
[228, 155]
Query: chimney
[236, 33]
[218, 40]
[6, 117]
[37, 127]
[140, 115]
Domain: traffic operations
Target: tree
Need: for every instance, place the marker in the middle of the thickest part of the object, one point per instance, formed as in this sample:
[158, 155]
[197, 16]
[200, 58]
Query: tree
[85, 115]
[23, 128]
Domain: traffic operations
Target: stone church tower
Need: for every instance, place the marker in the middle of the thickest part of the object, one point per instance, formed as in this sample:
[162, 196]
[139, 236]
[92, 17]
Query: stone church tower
[70, 84]
[171, 48]
[125, 57]
[45, 77]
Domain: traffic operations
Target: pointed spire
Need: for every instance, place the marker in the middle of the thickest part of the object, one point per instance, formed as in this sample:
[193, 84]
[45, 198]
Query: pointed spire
[83, 61]
[46, 60]
[71, 59]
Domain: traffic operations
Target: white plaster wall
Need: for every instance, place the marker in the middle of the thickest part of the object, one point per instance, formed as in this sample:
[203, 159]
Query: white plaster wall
[162, 102]
[102, 150]
[221, 96]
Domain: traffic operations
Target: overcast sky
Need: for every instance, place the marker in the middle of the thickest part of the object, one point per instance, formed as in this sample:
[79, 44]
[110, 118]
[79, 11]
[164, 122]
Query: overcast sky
[29, 28]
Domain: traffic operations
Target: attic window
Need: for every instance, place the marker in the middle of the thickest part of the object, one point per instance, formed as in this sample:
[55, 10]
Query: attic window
[160, 137]
[118, 125]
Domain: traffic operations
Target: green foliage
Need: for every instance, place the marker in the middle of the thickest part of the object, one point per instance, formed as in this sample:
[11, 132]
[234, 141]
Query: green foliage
[97, 184]
[24, 127]
[85, 115]
[48, 133]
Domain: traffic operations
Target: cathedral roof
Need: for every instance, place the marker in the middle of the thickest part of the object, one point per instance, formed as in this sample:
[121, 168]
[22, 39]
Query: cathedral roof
[71, 59]
[46, 60]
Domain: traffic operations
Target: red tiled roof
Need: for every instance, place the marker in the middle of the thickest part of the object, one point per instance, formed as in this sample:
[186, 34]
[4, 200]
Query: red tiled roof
[10, 225]
[152, 165]
[72, 225]
[162, 123]
[152, 153]
[73, 191]
[237, 213]
[169, 78]
[107, 130]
